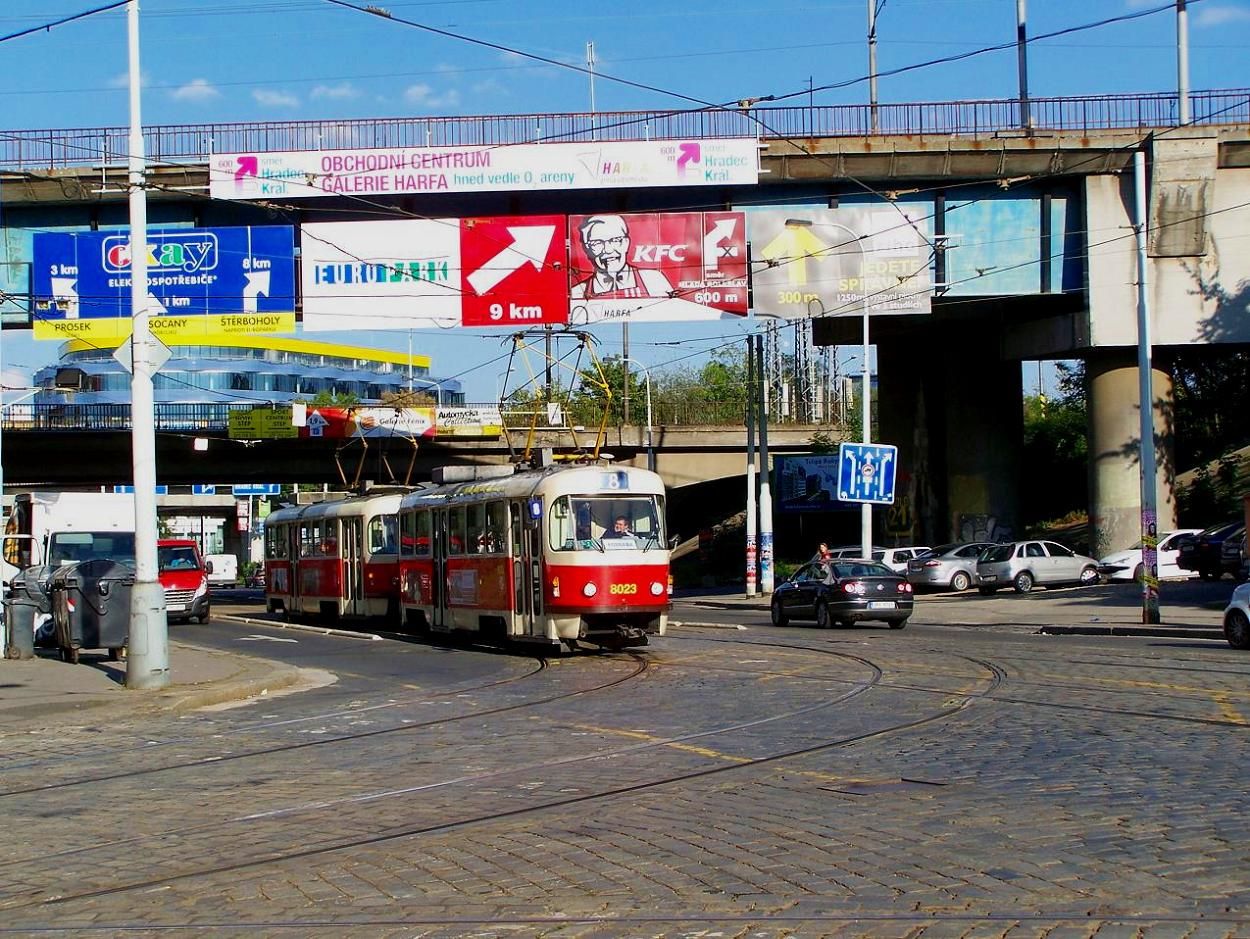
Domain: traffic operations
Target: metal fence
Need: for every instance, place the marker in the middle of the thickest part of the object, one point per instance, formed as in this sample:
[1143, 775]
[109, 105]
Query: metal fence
[195, 143]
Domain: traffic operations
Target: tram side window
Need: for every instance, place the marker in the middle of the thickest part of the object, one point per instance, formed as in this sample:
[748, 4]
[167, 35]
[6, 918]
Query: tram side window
[275, 541]
[563, 526]
[476, 519]
[455, 530]
[497, 527]
[382, 529]
[423, 534]
[408, 533]
[307, 534]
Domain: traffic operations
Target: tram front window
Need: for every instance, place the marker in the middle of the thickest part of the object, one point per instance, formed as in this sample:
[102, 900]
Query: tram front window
[606, 523]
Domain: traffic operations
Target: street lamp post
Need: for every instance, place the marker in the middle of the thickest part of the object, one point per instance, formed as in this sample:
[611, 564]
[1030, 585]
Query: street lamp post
[646, 374]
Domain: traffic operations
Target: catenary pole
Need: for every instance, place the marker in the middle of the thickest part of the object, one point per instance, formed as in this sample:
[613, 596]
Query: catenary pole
[1145, 389]
[1182, 61]
[766, 497]
[751, 506]
[874, 116]
[147, 665]
[1022, 63]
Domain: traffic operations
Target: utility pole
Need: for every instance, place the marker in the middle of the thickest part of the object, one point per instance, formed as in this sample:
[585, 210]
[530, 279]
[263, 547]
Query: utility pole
[1022, 64]
[147, 665]
[1182, 61]
[751, 506]
[872, 66]
[590, 66]
[1145, 389]
[766, 496]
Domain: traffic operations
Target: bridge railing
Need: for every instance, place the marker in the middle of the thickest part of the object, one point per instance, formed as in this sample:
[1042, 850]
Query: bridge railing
[195, 143]
[215, 418]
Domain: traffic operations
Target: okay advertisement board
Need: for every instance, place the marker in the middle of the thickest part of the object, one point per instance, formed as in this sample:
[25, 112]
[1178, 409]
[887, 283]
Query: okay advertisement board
[417, 273]
[657, 267]
[500, 168]
[202, 281]
[834, 262]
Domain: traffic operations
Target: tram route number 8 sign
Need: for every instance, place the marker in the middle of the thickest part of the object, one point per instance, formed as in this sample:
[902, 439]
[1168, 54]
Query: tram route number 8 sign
[866, 472]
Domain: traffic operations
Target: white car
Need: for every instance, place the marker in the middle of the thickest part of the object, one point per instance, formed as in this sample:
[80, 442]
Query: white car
[1126, 564]
[1237, 618]
[894, 558]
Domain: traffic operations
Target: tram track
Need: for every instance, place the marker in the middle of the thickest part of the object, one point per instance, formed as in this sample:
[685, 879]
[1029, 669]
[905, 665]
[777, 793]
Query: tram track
[966, 700]
[640, 666]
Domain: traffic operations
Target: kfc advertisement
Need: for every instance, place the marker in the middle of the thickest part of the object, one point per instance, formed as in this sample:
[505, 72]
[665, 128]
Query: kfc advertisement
[657, 267]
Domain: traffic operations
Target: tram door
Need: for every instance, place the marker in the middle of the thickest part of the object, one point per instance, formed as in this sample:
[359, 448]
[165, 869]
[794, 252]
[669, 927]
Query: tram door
[527, 571]
[352, 539]
[440, 621]
[295, 554]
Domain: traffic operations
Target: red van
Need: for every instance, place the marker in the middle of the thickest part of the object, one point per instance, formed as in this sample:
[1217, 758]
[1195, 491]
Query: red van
[184, 575]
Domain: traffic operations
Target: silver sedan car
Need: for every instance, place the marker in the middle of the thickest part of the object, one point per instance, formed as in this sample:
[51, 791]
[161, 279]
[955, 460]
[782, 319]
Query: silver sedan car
[952, 566]
[1023, 564]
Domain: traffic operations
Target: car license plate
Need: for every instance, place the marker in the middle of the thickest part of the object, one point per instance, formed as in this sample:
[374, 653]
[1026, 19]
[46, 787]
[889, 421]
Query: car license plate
[175, 607]
[989, 577]
[881, 605]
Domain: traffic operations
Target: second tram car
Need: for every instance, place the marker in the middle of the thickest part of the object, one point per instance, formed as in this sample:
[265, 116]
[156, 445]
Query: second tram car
[334, 560]
[560, 554]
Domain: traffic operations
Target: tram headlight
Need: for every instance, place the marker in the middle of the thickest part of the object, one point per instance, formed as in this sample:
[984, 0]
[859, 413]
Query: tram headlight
[590, 590]
[657, 588]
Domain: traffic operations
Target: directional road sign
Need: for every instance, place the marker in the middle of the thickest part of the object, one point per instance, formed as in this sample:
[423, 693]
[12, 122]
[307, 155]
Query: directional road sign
[866, 472]
[160, 490]
[256, 489]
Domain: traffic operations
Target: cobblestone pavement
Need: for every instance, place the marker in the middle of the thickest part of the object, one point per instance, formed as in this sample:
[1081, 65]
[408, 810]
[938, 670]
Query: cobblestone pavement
[766, 783]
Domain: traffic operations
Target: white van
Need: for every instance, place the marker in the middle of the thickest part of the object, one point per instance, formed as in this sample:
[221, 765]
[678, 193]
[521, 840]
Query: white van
[224, 570]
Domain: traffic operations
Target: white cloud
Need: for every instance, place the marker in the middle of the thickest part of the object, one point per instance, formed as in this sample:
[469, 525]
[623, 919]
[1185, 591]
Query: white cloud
[275, 99]
[340, 92]
[423, 95]
[197, 89]
[1219, 15]
[490, 87]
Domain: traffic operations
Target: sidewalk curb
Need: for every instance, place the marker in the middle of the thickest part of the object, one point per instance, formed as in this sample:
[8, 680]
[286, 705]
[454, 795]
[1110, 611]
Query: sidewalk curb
[706, 625]
[243, 689]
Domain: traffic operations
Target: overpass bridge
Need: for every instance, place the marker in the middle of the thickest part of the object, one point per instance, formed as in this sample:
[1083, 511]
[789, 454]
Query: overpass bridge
[1033, 253]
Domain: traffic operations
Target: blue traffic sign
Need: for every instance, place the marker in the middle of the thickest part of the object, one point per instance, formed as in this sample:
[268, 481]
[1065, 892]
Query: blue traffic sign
[204, 489]
[160, 490]
[866, 472]
[257, 489]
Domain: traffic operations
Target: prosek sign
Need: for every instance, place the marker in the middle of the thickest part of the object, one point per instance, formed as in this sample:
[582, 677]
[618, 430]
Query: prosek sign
[200, 282]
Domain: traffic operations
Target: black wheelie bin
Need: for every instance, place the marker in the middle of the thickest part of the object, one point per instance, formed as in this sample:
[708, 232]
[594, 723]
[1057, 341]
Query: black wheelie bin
[91, 607]
[25, 605]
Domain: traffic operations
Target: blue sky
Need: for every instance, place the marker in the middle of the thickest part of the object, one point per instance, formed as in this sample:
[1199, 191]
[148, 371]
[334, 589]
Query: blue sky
[235, 60]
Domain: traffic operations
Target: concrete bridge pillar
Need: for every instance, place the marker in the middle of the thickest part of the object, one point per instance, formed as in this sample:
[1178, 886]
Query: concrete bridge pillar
[1114, 441]
[954, 408]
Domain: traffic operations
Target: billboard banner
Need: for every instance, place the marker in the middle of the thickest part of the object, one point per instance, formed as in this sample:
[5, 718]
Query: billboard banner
[417, 273]
[500, 168]
[342, 423]
[202, 281]
[261, 423]
[808, 484]
[833, 262]
[657, 267]
[469, 422]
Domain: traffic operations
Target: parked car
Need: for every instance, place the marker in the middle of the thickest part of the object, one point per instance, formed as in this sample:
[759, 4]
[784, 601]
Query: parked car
[1237, 618]
[952, 566]
[1233, 556]
[1023, 564]
[1127, 564]
[843, 592]
[896, 559]
[1204, 554]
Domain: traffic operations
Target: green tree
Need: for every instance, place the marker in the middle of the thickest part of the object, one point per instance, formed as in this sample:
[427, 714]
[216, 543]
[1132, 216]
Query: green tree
[1054, 458]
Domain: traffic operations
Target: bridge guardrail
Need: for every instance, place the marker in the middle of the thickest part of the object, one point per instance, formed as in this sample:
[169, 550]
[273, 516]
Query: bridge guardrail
[195, 143]
[215, 418]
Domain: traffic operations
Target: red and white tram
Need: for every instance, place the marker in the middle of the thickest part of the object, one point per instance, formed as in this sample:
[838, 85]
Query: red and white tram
[334, 560]
[533, 556]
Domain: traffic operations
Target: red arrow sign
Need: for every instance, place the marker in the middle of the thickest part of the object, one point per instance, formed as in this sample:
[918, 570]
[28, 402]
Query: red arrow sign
[514, 271]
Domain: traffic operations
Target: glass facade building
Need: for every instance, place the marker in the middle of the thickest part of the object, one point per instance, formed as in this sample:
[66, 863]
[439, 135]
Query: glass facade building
[246, 369]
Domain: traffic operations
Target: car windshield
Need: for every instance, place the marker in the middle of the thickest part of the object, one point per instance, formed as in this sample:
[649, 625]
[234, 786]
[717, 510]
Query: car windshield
[1000, 552]
[940, 550]
[71, 547]
[177, 558]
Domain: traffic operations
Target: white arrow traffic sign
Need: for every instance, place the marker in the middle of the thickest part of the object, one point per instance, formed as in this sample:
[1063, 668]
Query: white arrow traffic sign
[257, 284]
[529, 246]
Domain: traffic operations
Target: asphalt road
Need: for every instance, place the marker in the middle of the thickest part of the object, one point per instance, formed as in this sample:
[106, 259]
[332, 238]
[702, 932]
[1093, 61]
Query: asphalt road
[934, 781]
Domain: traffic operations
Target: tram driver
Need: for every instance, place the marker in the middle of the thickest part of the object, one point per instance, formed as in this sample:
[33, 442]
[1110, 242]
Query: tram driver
[621, 528]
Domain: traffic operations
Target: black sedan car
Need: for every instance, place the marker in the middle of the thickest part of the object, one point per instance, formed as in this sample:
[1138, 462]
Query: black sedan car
[843, 592]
